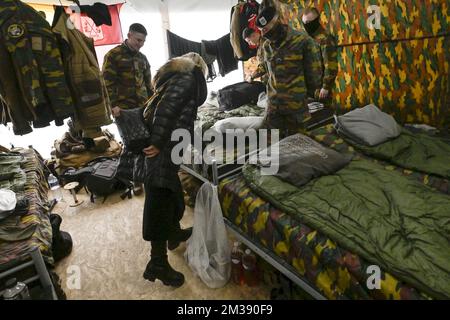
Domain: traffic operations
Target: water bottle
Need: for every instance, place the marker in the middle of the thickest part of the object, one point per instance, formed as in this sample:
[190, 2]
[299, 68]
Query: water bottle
[16, 291]
[250, 268]
[237, 275]
[55, 187]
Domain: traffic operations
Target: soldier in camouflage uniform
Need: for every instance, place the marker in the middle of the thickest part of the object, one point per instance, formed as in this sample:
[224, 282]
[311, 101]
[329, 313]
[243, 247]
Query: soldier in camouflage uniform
[328, 50]
[293, 64]
[127, 72]
[128, 77]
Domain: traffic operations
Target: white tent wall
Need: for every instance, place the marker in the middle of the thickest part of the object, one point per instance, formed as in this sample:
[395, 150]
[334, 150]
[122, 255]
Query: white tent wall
[195, 20]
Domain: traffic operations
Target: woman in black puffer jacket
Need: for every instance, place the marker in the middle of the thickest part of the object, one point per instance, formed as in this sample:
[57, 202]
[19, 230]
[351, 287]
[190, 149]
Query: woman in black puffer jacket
[179, 89]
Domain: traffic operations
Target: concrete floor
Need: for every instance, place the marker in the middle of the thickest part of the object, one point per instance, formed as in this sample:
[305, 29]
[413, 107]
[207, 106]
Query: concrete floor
[109, 256]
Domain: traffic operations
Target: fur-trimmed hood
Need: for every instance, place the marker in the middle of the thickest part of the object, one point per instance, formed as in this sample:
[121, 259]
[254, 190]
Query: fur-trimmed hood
[184, 64]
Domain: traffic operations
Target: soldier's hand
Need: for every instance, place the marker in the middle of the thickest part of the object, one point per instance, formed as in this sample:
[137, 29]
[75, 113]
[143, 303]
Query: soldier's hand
[323, 94]
[151, 151]
[116, 112]
[249, 79]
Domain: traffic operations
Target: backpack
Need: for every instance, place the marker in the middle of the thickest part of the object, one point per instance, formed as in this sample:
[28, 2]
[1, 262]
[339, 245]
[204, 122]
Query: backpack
[244, 18]
[100, 178]
[239, 94]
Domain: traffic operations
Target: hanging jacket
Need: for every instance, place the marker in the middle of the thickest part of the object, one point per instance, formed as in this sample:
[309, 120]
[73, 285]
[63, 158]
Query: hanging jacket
[92, 108]
[32, 78]
[243, 15]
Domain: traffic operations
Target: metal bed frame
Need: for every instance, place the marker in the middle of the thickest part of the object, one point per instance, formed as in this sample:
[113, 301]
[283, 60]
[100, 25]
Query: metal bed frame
[263, 252]
[42, 274]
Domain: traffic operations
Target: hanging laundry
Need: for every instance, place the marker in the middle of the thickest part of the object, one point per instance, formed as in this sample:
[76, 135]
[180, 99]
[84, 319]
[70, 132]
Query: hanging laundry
[179, 46]
[223, 50]
[243, 15]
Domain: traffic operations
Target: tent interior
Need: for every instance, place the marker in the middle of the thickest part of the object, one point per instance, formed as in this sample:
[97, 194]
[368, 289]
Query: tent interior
[401, 67]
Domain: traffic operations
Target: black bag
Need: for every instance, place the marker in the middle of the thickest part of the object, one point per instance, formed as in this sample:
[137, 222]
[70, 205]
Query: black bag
[239, 94]
[61, 241]
[132, 129]
[100, 178]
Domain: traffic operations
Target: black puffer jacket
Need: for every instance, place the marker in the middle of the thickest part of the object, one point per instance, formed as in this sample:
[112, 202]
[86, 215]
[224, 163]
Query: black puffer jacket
[179, 89]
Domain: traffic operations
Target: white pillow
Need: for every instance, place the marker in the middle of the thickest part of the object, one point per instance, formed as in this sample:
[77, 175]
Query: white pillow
[244, 123]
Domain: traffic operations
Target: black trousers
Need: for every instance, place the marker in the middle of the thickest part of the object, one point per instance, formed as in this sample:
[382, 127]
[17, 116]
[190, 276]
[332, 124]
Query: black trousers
[163, 210]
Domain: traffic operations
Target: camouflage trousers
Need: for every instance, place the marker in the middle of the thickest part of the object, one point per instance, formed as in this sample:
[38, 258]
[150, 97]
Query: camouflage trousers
[288, 122]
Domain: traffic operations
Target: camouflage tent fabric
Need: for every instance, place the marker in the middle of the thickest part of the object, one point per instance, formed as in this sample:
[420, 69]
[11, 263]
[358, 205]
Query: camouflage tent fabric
[402, 67]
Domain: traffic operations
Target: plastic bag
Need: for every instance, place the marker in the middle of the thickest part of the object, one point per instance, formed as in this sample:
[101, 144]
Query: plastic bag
[208, 251]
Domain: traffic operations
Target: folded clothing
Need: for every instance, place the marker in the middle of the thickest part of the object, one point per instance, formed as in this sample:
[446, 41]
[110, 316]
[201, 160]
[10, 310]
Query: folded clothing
[301, 159]
[368, 126]
[12, 177]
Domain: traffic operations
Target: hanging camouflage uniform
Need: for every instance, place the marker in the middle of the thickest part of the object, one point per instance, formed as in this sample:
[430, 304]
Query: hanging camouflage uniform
[294, 74]
[92, 106]
[128, 77]
[328, 52]
[32, 80]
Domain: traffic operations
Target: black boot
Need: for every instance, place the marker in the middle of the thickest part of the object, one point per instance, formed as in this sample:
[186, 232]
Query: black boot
[159, 267]
[180, 236]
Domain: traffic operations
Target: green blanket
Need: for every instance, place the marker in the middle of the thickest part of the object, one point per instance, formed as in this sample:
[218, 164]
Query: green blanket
[392, 221]
[414, 151]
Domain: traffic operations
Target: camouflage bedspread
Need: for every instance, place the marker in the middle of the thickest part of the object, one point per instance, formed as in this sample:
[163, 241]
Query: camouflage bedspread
[36, 192]
[328, 137]
[334, 271]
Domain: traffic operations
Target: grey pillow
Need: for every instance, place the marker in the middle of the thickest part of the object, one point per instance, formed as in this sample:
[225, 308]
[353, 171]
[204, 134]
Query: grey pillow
[367, 126]
[302, 159]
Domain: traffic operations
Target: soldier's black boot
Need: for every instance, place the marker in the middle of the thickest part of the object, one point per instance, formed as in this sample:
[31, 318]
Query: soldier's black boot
[159, 267]
[179, 236]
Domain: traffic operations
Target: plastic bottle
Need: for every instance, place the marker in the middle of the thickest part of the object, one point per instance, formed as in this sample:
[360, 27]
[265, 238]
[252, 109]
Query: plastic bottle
[55, 187]
[237, 275]
[16, 290]
[250, 268]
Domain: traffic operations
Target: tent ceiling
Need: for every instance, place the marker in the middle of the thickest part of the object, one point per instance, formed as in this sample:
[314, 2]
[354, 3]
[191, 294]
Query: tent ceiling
[151, 5]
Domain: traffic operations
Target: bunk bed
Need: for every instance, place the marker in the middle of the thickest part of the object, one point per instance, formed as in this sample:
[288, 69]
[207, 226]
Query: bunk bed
[313, 261]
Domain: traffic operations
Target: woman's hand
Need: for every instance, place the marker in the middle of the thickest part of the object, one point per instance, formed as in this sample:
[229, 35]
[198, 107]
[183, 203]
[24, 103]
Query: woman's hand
[151, 151]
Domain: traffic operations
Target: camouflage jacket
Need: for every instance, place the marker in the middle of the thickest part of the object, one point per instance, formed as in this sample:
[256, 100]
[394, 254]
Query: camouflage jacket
[32, 78]
[294, 72]
[328, 52]
[128, 77]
